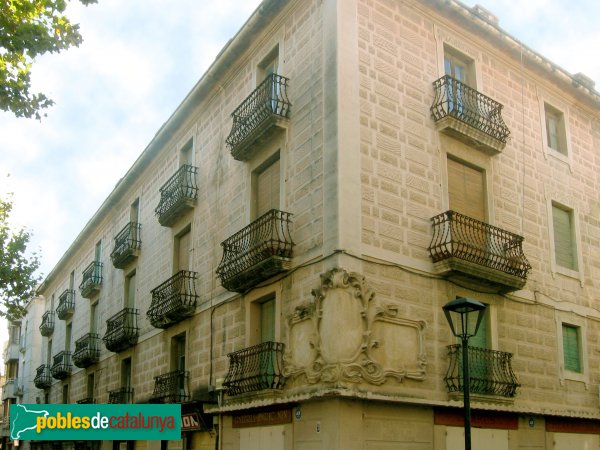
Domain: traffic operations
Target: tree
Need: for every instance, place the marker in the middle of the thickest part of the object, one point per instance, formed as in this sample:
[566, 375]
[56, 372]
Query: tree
[18, 279]
[29, 28]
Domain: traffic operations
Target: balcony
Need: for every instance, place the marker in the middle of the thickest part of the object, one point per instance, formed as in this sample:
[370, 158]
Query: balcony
[468, 115]
[255, 369]
[171, 387]
[128, 243]
[87, 350]
[61, 367]
[257, 252]
[66, 304]
[477, 255]
[86, 401]
[174, 300]
[490, 372]
[92, 280]
[177, 196]
[42, 378]
[122, 395]
[262, 113]
[121, 330]
[47, 325]
[12, 388]
[12, 350]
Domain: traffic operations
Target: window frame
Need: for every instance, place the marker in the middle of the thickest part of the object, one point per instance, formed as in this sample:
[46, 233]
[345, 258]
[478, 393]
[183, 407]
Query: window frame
[560, 110]
[570, 319]
[575, 240]
[253, 302]
[462, 154]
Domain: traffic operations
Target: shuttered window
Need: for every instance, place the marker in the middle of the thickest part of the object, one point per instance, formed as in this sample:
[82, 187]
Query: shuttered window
[184, 254]
[466, 190]
[565, 250]
[267, 188]
[130, 291]
[571, 352]
[555, 129]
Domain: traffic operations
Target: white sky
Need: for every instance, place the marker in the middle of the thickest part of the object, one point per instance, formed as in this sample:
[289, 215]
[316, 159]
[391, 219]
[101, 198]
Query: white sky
[139, 59]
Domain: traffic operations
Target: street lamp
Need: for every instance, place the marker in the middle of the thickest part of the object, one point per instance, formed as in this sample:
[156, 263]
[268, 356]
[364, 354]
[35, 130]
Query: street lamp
[464, 316]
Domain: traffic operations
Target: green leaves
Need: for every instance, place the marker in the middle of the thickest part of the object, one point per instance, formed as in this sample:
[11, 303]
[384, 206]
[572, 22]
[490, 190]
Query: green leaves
[29, 28]
[17, 270]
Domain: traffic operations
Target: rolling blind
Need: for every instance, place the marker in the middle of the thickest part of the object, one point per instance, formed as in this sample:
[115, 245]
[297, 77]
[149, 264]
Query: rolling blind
[267, 189]
[571, 353]
[466, 190]
[564, 247]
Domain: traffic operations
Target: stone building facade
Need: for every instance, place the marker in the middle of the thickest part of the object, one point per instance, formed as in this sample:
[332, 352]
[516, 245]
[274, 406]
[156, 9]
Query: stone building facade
[277, 258]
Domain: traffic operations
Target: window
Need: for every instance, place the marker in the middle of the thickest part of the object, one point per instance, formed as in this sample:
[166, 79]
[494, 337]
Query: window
[178, 352]
[268, 65]
[15, 334]
[130, 290]
[98, 251]
[90, 385]
[466, 190]
[186, 154]
[49, 353]
[126, 373]
[565, 246]
[68, 330]
[571, 348]
[459, 66]
[72, 280]
[183, 251]
[178, 362]
[65, 393]
[266, 186]
[556, 137]
[94, 317]
[134, 211]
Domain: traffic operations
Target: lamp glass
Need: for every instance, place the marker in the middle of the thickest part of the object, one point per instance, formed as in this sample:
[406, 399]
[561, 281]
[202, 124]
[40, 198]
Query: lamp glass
[464, 316]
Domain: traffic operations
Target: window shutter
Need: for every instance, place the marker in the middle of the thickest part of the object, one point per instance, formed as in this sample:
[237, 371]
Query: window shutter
[571, 348]
[552, 131]
[466, 190]
[267, 189]
[564, 247]
[267, 321]
[183, 252]
[480, 339]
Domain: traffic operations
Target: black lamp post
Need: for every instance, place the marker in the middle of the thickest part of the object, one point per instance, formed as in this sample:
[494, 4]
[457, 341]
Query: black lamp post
[464, 316]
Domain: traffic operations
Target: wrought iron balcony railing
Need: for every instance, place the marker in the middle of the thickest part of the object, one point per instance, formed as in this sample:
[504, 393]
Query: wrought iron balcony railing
[177, 196]
[465, 248]
[92, 279]
[87, 350]
[121, 395]
[47, 325]
[121, 330]
[257, 252]
[128, 243]
[490, 372]
[171, 387]
[173, 300]
[42, 378]
[86, 401]
[263, 111]
[255, 369]
[66, 304]
[468, 114]
[61, 367]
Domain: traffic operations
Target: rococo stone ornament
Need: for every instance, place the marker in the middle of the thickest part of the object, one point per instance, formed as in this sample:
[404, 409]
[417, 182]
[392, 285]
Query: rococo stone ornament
[345, 335]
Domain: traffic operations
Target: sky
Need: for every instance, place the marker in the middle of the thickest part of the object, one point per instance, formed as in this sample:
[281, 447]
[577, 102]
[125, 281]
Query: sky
[138, 61]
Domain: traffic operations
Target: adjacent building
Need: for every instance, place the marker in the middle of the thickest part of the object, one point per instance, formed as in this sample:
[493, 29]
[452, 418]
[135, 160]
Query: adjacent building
[277, 258]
